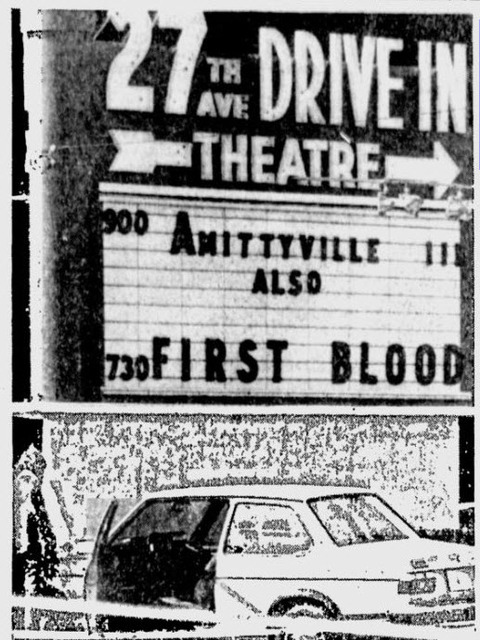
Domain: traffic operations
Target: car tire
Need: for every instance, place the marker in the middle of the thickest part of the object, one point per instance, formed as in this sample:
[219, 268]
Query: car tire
[308, 609]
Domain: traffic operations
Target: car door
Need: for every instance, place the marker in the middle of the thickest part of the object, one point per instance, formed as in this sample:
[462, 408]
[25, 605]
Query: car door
[93, 577]
[141, 561]
[162, 554]
[266, 544]
[197, 566]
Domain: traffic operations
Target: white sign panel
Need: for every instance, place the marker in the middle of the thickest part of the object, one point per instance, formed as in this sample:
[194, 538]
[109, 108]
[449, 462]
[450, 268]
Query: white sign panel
[270, 296]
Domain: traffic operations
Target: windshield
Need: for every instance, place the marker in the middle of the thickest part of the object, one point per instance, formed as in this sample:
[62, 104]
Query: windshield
[359, 518]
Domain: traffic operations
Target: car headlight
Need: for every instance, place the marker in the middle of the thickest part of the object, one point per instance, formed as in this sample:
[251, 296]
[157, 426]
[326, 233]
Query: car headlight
[416, 586]
[460, 579]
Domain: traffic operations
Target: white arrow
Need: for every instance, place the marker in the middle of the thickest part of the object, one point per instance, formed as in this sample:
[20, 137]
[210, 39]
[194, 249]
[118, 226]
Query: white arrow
[441, 169]
[139, 152]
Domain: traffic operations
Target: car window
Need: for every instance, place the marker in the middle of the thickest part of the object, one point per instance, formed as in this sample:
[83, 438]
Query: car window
[178, 517]
[356, 519]
[124, 506]
[267, 529]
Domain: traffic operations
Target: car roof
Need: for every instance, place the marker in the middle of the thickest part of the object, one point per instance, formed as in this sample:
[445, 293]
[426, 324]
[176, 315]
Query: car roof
[297, 492]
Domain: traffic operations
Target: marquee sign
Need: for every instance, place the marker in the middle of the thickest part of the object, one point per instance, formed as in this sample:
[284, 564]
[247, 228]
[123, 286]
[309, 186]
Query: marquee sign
[281, 211]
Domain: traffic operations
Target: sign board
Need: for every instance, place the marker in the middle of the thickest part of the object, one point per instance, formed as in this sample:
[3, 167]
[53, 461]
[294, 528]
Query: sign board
[218, 297]
[330, 101]
[282, 209]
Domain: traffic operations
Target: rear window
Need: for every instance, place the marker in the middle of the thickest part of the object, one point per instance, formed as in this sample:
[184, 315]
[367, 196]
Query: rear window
[357, 519]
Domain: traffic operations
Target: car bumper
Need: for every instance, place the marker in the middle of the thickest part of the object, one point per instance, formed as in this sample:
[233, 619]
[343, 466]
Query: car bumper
[462, 616]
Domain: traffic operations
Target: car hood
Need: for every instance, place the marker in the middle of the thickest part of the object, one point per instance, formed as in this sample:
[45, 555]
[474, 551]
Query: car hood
[396, 559]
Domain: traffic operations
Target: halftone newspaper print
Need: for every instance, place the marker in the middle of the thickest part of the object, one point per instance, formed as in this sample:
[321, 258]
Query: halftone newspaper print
[170, 523]
[253, 207]
[241, 228]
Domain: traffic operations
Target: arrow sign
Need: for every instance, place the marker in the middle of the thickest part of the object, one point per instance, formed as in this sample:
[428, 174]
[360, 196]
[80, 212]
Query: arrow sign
[441, 169]
[139, 152]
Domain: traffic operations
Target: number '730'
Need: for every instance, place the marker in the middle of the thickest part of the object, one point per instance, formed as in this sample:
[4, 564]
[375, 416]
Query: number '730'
[125, 97]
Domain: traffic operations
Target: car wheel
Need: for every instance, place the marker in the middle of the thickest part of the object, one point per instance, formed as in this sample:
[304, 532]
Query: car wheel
[308, 609]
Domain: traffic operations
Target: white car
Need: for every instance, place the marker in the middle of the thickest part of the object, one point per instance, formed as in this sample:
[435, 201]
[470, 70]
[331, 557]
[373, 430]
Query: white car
[269, 550]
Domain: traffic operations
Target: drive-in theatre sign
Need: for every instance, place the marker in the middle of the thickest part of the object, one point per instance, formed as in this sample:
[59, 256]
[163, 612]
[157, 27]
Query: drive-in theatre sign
[285, 208]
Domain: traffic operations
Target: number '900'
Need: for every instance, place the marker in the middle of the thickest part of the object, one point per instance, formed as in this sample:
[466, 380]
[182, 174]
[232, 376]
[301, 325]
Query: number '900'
[123, 96]
[124, 222]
